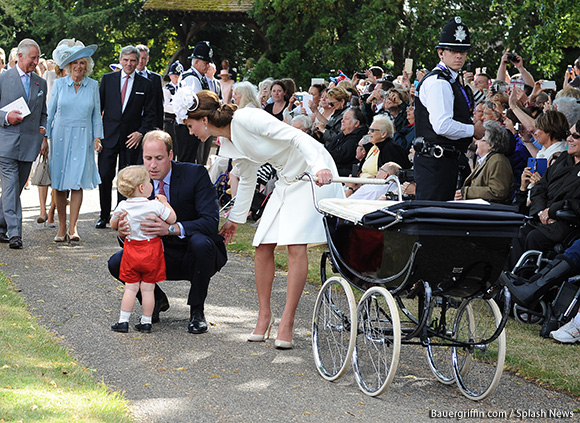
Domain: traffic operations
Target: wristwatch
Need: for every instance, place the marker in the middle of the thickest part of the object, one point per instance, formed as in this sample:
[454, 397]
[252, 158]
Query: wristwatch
[171, 229]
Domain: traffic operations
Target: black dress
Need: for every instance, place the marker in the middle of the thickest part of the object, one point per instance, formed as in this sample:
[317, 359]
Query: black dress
[270, 109]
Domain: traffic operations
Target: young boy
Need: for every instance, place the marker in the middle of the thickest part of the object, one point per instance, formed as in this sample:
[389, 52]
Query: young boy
[143, 262]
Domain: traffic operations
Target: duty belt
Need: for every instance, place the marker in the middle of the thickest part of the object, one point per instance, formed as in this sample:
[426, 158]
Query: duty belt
[437, 151]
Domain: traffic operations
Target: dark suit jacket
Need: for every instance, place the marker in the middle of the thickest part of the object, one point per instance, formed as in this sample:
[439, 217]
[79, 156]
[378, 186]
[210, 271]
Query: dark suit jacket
[139, 114]
[157, 82]
[194, 199]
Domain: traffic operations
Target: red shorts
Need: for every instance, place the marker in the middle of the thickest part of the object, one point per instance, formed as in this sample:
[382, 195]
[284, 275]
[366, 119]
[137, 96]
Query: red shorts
[143, 261]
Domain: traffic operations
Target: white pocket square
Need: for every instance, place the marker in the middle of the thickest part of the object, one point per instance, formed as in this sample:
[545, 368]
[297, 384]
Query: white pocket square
[40, 93]
[139, 93]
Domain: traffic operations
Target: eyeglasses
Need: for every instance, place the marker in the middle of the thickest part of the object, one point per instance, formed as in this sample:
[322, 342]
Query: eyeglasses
[373, 129]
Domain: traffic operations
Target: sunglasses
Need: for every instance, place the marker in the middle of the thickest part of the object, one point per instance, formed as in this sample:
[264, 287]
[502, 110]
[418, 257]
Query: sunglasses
[575, 135]
[331, 104]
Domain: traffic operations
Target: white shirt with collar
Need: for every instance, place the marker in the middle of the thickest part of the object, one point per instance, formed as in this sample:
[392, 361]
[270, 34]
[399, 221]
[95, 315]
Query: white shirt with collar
[193, 81]
[437, 96]
[547, 153]
[129, 87]
[21, 73]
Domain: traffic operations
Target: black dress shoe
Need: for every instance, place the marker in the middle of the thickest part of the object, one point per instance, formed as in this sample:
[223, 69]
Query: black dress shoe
[197, 324]
[143, 327]
[160, 305]
[4, 238]
[15, 242]
[101, 223]
[120, 327]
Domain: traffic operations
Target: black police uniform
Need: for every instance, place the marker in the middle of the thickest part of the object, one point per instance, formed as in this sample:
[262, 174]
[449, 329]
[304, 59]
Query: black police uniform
[439, 161]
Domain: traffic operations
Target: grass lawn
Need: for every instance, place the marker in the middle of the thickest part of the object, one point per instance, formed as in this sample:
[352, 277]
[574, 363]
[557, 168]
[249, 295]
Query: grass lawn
[39, 380]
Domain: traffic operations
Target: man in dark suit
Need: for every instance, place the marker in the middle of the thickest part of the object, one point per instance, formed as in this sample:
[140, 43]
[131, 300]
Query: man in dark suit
[21, 137]
[128, 114]
[155, 79]
[193, 248]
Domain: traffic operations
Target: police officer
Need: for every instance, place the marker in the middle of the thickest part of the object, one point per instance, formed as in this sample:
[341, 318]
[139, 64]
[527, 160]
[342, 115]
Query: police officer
[169, 90]
[443, 125]
[201, 57]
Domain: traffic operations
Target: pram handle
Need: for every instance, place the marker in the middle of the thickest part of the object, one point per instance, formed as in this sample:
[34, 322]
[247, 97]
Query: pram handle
[306, 176]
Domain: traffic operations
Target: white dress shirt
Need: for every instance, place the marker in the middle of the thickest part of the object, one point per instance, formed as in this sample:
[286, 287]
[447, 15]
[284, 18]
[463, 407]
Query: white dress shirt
[437, 96]
[129, 87]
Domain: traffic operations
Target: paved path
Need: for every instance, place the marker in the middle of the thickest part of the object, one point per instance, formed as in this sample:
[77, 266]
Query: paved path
[172, 376]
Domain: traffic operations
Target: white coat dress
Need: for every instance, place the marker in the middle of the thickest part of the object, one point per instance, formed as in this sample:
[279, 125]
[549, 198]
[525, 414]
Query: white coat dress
[289, 217]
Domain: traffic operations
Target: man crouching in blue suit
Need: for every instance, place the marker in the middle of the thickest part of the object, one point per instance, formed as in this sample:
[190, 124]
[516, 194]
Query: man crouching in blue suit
[194, 250]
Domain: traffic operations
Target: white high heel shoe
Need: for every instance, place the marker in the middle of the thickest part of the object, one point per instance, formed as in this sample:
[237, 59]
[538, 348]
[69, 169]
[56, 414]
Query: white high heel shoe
[261, 338]
[283, 345]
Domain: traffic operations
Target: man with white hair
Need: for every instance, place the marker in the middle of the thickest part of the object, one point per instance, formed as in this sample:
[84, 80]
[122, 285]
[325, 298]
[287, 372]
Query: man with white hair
[21, 136]
[186, 145]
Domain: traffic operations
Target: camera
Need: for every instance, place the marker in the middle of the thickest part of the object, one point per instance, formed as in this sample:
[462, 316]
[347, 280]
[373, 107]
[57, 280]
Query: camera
[406, 175]
[361, 75]
[512, 57]
[364, 97]
[468, 67]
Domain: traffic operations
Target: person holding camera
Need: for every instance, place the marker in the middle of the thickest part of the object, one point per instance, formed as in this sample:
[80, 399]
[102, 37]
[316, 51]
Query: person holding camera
[516, 60]
[572, 75]
[443, 116]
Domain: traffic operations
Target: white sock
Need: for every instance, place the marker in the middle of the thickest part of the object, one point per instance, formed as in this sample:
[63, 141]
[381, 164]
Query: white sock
[124, 316]
[577, 319]
[145, 320]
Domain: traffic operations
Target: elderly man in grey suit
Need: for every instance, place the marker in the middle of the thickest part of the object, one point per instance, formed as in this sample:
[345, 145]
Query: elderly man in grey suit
[21, 137]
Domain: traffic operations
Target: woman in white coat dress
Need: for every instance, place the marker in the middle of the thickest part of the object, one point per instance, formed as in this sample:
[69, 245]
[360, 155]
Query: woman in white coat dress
[253, 137]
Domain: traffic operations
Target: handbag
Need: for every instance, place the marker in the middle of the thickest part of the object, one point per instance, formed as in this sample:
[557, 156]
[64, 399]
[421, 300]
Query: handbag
[40, 171]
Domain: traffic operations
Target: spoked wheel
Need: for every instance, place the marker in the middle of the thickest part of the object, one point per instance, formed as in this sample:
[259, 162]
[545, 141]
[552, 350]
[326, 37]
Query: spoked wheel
[478, 367]
[443, 313]
[378, 341]
[533, 316]
[334, 328]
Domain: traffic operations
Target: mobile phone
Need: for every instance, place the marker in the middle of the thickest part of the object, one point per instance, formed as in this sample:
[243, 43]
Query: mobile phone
[361, 75]
[549, 85]
[538, 165]
[409, 65]
[416, 84]
[468, 67]
[299, 97]
[354, 170]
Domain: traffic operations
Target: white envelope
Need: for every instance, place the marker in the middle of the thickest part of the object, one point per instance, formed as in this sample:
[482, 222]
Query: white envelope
[19, 104]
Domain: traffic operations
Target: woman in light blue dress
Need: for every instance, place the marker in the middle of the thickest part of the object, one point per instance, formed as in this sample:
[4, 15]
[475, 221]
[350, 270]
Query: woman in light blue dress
[75, 129]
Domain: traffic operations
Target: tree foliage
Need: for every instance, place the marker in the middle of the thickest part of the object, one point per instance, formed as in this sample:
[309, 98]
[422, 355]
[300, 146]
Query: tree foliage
[353, 34]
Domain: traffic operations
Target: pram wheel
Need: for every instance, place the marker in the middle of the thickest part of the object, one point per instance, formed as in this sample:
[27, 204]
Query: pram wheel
[378, 341]
[479, 365]
[334, 328]
[443, 313]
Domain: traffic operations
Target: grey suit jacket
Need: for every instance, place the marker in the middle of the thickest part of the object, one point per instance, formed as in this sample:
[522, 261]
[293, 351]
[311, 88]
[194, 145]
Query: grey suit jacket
[22, 142]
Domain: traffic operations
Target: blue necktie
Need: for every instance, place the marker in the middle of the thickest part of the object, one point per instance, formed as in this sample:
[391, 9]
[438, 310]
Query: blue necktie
[27, 85]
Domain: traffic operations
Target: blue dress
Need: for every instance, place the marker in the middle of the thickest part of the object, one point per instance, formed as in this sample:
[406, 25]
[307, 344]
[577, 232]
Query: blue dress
[74, 121]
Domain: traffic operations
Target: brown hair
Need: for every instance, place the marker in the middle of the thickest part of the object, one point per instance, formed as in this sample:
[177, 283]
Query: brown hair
[554, 124]
[159, 136]
[219, 115]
